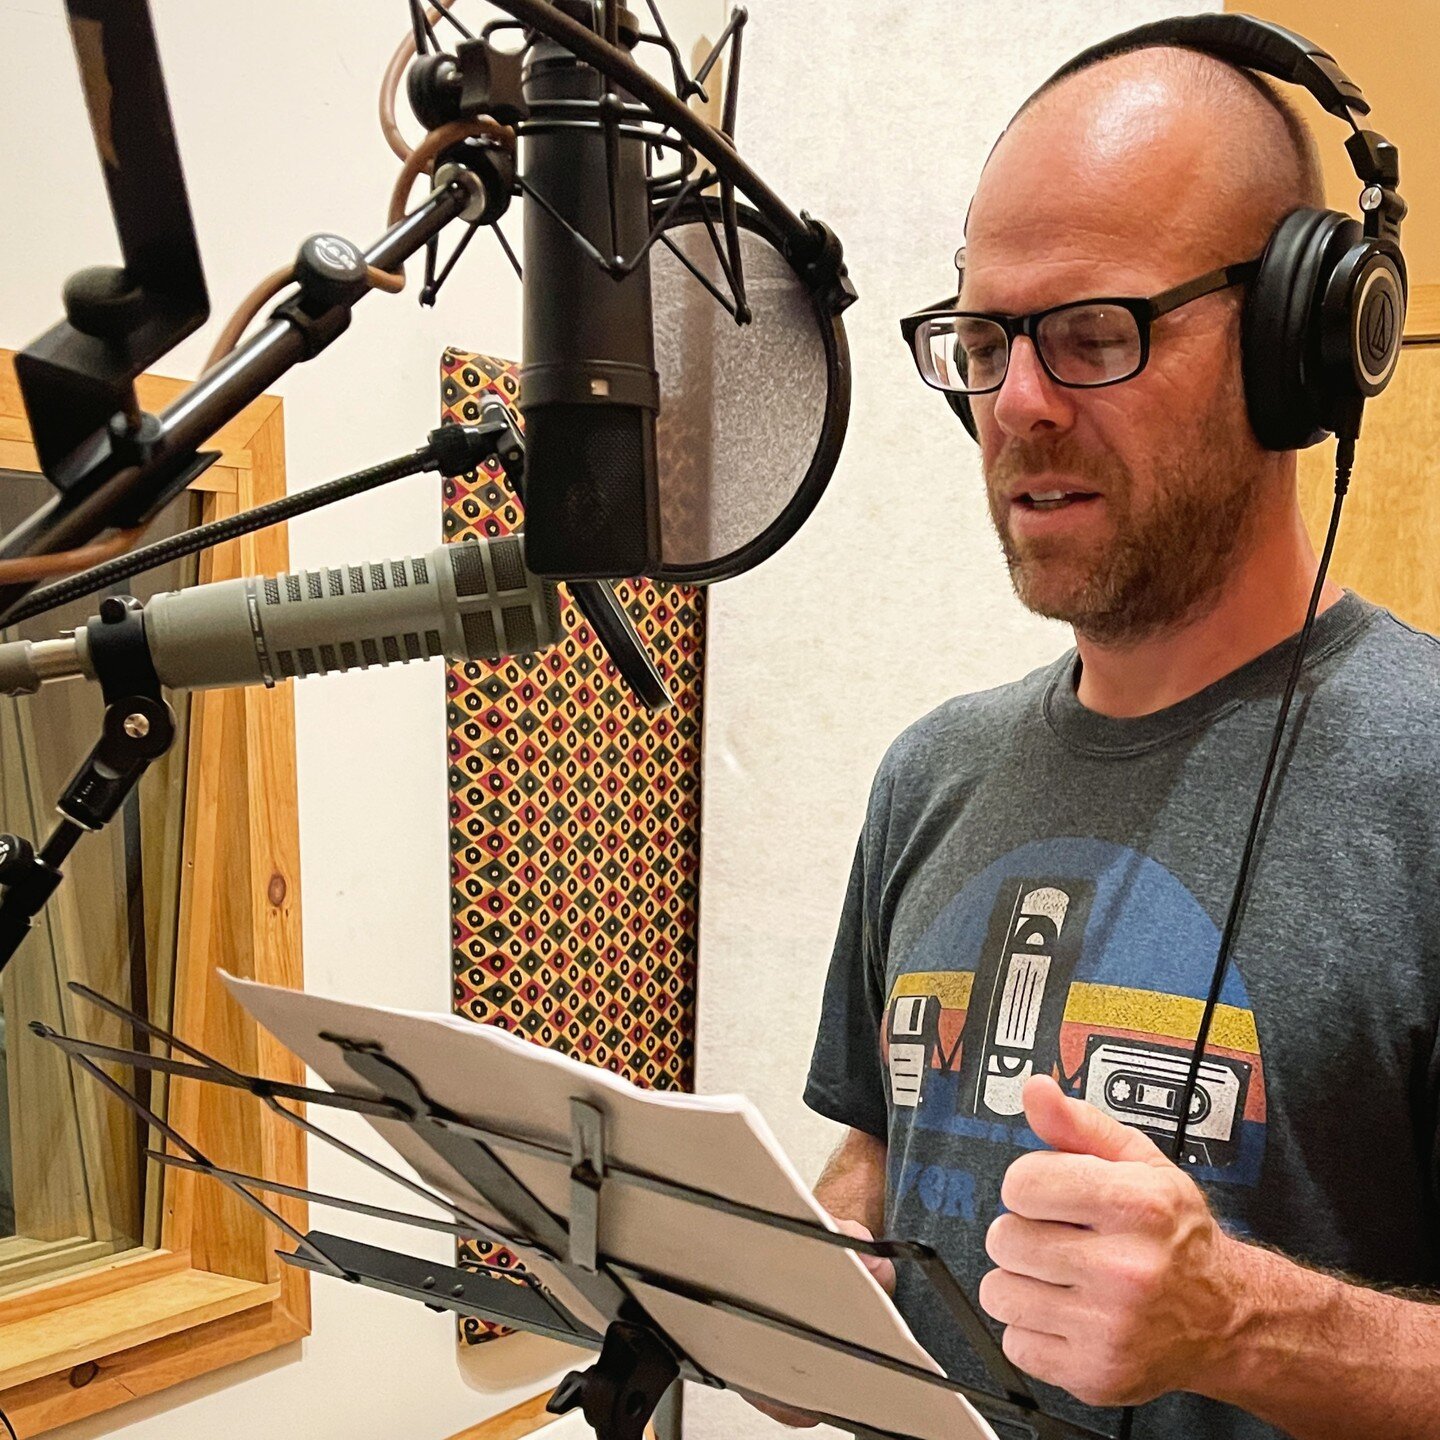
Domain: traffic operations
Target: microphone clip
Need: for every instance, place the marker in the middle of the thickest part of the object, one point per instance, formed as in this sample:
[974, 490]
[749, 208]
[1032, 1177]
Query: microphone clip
[457, 449]
[138, 728]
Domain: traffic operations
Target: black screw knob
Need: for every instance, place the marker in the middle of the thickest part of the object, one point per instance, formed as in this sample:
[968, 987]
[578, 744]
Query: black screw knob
[17, 855]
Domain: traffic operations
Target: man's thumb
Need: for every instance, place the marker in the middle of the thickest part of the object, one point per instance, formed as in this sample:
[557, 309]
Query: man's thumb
[883, 1270]
[1078, 1128]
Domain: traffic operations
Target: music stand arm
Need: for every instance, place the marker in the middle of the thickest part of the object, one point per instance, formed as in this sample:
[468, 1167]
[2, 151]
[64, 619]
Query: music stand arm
[610, 1390]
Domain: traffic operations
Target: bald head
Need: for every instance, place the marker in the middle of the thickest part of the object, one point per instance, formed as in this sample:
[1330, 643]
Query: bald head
[1180, 139]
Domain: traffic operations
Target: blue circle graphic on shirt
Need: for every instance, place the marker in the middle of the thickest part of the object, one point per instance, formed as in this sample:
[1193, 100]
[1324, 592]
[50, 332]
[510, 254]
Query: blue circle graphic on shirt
[1089, 961]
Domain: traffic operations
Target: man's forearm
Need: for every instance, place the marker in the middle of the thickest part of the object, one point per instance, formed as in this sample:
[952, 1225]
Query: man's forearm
[852, 1184]
[1327, 1360]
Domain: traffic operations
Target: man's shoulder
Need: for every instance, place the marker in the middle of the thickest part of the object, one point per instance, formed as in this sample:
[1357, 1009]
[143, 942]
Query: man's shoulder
[966, 729]
[1404, 645]
[1392, 674]
[1370, 722]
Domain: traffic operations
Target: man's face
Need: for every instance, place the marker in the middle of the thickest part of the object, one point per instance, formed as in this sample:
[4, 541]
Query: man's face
[1161, 474]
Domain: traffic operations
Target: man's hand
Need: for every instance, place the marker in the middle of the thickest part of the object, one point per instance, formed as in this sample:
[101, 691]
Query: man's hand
[1115, 1281]
[884, 1272]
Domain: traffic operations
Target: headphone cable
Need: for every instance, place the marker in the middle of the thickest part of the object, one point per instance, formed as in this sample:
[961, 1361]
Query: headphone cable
[1344, 463]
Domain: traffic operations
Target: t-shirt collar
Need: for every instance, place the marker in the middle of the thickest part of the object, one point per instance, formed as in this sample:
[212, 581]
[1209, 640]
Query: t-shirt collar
[1088, 730]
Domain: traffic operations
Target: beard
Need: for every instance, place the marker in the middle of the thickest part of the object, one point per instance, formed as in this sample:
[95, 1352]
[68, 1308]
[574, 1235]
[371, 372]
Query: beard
[1171, 547]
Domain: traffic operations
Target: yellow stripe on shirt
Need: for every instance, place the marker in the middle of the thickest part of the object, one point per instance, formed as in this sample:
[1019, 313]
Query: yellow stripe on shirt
[1147, 1012]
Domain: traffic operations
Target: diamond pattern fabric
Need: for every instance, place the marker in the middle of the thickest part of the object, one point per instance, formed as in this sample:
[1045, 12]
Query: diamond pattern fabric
[574, 819]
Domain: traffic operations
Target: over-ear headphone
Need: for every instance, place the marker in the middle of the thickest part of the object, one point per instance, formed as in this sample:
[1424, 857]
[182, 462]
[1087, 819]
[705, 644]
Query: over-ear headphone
[1324, 316]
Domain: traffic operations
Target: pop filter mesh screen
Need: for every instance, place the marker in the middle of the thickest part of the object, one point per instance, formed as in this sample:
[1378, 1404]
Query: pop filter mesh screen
[742, 407]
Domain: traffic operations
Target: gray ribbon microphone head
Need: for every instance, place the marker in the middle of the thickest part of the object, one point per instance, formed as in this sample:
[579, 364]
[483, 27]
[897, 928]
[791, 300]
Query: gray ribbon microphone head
[473, 601]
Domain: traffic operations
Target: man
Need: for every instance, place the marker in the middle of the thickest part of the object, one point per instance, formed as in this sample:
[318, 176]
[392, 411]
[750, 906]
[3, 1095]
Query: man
[1033, 916]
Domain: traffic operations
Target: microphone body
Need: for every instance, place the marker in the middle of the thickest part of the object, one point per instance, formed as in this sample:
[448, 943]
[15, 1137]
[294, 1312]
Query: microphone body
[589, 389]
[473, 601]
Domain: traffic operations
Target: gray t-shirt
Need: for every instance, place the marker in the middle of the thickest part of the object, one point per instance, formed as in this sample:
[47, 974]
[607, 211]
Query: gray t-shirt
[1039, 888]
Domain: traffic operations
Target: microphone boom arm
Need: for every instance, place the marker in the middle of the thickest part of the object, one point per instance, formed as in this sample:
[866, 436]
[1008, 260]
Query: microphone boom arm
[127, 477]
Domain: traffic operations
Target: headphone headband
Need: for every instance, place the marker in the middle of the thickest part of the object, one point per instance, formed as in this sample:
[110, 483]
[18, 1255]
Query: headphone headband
[1323, 318]
[1241, 40]
[1273, 50]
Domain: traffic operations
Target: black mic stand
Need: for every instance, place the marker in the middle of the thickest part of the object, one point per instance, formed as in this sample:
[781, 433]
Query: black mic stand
[112, 464]
[137, 729]
[116, 466]
[137, 465]
[633, 1377]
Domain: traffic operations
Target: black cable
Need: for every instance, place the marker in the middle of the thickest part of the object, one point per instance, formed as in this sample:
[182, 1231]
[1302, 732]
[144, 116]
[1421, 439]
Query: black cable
[87, 582]
[5, 1420]
[1344, 463]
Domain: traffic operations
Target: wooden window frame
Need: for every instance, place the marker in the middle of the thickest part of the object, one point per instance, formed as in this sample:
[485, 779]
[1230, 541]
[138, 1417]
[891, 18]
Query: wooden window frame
[214, 1292]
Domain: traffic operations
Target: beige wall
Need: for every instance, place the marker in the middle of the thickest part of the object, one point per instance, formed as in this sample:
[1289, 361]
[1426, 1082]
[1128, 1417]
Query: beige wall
[1391, 49]
[893, 597]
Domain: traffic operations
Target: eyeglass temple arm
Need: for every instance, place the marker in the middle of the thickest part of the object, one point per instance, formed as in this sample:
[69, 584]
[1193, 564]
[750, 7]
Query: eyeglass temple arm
[1216, 280]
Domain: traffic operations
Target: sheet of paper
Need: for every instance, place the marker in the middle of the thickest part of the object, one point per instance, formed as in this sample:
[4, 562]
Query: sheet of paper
[715, 1143]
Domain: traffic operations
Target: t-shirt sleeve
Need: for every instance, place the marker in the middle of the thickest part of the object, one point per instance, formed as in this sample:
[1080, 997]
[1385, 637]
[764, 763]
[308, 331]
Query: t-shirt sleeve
[1434, 1078]
[846, 1082]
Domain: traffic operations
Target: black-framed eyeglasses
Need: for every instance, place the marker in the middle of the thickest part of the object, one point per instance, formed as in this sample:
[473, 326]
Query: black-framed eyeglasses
[1083, 344]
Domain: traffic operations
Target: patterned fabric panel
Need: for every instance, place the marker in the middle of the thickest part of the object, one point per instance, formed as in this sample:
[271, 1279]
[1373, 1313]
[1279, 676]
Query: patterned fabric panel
[574, 820]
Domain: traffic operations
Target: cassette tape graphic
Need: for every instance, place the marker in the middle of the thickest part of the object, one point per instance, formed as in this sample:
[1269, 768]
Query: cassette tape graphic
[1021, 991]
[912, 1037]
[1141, 1085]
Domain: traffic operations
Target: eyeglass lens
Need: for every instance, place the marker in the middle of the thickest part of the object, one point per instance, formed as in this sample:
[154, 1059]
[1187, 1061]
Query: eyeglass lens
[1081, 345]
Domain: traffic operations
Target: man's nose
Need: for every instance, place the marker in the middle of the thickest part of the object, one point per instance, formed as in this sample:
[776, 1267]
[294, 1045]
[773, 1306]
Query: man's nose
[1029, 401]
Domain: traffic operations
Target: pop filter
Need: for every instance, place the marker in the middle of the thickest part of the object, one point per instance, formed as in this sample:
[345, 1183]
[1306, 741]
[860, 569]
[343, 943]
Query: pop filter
[685, 371]
[752, 416]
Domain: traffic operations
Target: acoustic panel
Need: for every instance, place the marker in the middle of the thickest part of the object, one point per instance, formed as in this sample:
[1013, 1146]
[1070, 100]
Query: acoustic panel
[574, 818]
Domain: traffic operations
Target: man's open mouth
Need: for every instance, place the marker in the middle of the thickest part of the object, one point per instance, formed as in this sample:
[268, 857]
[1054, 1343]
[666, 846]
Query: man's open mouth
[1053, 499]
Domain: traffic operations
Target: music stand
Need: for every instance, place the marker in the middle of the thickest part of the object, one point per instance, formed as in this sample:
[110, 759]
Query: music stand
[572, 1206]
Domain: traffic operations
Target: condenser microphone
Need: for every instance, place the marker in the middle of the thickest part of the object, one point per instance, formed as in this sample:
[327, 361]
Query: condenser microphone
[589, 390]
[471, 601]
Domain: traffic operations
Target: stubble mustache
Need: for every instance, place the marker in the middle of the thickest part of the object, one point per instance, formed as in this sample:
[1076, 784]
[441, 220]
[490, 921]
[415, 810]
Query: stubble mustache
[1020, 460]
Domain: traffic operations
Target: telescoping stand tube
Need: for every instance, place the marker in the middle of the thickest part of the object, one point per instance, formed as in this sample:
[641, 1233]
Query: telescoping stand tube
[638, 1362]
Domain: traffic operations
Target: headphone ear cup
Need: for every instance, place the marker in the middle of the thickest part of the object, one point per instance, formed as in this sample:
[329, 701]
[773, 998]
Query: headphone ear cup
[960, 404]
[1279, 352]
[1362, 326]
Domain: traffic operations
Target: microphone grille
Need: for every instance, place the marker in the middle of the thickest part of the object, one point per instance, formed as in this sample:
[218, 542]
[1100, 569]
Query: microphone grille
[469, 570]
[480, 636]
[589, 491]
[509, 563]
[519, 613]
